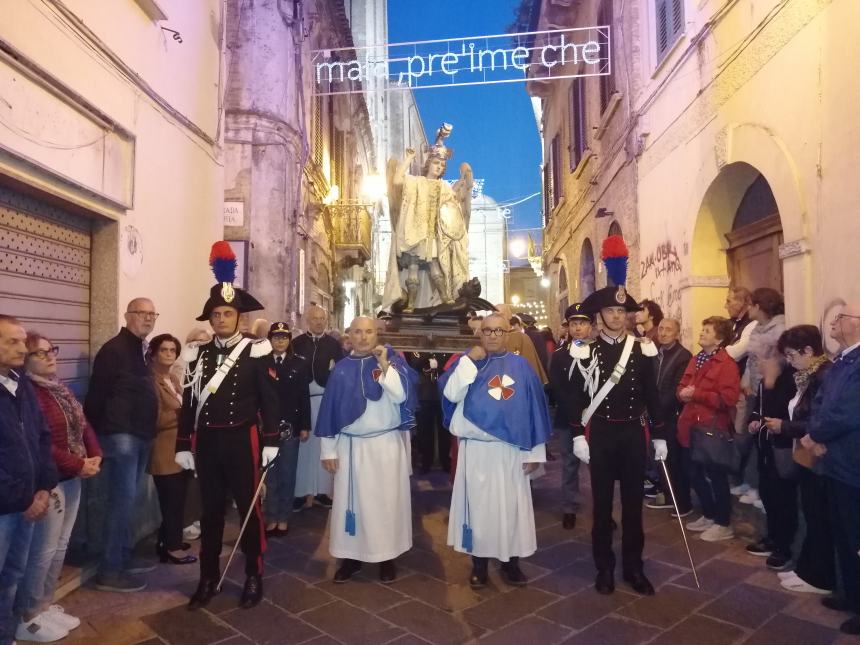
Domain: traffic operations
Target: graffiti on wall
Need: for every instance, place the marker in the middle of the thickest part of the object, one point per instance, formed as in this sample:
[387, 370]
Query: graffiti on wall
[660, 272]
[662, 261]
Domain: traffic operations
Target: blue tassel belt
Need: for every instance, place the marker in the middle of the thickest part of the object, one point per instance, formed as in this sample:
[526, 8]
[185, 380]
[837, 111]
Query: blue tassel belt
[350, 520]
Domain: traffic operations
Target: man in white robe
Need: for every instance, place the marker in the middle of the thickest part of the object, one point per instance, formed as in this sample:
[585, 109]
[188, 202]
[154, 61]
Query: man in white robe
[502, 421]
[364, 421]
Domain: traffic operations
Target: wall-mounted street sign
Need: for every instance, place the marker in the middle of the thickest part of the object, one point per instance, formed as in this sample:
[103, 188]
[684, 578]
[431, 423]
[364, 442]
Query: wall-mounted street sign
[477, 60]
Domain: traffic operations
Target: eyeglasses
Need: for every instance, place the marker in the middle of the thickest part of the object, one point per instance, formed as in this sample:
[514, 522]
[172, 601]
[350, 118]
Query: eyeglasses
[841, 316]
[149, 315]
[493, 332]
[42, 354]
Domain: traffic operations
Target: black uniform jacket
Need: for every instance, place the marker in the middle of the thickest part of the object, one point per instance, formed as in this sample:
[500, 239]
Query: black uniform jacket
[633, 397]
[247, 394]
[320, 353]
[294, 375]
[428, 376]
[559, 381]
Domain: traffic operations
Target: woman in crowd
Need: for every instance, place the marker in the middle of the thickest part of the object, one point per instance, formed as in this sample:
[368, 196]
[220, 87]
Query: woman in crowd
[171, 482]
[767, 310]
[815, 569]
[710, 389]
[294, 377]
[77, 456]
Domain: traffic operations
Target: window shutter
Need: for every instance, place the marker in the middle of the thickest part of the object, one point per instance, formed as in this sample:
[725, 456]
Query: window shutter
[607, 83]
[555, 159]
[662, 15]
[577, 122]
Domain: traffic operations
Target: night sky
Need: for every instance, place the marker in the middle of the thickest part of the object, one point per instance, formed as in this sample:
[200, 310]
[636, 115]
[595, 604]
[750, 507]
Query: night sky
[494, 125]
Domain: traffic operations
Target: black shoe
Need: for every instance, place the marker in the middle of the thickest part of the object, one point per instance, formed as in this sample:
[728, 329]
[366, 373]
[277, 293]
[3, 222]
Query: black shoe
[836, 603]
[347, 569]
[323, 500]
[651, 491]
[387, 572]
[604, 583]
[851, 626]
[207, 589]
[478, 578]
[252, 594]
[185, 546]
[778, 561]
[568, 521]
[762, 548]
[512, 573]
[298, 504]
[165, 557]
[640, 583]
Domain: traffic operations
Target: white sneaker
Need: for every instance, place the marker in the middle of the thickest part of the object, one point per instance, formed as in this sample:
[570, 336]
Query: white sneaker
[701, 524]
[739, 490]
[57, 615]
[801, 586]
[191, 532]
[750, 497]
[759, 505]
[717, 532]
[786, 575]
[40, 630]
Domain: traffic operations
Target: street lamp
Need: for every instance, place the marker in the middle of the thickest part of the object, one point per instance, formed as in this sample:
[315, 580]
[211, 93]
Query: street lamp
[544, 282]
[518, 247]
[515, 299]
[373, 187]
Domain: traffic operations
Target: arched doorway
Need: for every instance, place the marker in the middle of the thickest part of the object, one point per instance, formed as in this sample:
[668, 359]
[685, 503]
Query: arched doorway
[587, 281]
[753, 253]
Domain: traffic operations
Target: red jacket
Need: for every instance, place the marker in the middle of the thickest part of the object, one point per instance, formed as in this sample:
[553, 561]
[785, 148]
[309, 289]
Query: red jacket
[68, 464]
[717, 389]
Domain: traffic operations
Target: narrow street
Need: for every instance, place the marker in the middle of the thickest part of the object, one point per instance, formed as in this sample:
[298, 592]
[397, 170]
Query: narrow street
[431, 602]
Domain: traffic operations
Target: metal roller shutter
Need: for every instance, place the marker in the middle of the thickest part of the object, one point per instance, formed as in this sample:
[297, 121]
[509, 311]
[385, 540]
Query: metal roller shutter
[45, 278]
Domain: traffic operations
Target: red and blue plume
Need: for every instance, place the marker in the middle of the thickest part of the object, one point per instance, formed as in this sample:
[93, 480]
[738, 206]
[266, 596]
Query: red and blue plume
[223, 262]
[615, 256]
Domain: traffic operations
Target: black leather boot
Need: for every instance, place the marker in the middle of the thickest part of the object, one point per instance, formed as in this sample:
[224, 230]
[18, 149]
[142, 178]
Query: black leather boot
[604, 583]
[478, 579]
[513, 574]
[206, 590]
[252, 594]
[347, 569]
[639, 582]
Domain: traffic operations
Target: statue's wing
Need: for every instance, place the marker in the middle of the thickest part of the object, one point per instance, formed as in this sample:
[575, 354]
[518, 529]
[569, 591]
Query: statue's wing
[395, 192]
[463, 190]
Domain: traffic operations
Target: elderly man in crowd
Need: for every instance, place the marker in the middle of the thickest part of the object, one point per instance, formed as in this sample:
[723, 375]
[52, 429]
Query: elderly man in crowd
[835, 429]
[27, 471]
[122, 407]
[364, 421]
[494, 402]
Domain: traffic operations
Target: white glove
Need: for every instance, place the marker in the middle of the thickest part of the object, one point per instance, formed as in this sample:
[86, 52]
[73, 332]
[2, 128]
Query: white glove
[185, 459]
[269, 454]
[580, 449]
[661, 450]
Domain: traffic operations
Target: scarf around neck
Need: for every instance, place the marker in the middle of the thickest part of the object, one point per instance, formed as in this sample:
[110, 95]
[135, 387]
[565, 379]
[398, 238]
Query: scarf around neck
[801, 377]
[71, 409]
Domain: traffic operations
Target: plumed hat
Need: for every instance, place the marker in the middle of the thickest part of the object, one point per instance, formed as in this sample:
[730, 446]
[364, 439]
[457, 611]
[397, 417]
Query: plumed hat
[224, 294]
[615, 257]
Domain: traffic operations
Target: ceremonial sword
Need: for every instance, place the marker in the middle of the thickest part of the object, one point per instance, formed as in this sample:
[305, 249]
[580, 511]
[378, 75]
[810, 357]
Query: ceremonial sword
[680, 522]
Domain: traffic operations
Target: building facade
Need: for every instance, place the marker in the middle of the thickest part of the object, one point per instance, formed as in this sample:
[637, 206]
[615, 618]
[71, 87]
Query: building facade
[728, 181]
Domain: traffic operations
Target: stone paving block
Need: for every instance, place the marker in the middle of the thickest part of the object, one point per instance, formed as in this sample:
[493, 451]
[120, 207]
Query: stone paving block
[659, 573]
[408, 639]
[702, 552]
[506, 608]
[785, 629]
[350, 624]
[717, 576]
[701, 631]
[560, 555]
[292, 594]
[808, 607]
[665, 533]
[670, 605]
[266, 623]
[432, 624]
[178, 625]
[106, 628]
[366, 594]
[565, 581]
[746, 605]
[613, 630]
[556, 534]
[446, 565]
[448, 597]
[585, 607]
[302, 566]
[528, 630]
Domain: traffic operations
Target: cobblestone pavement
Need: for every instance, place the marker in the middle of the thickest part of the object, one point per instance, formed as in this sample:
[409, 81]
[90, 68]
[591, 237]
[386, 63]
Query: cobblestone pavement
[740, 600]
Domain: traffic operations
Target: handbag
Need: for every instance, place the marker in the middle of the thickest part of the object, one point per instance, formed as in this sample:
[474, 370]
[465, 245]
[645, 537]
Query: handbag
[802, 456]
[714, 448]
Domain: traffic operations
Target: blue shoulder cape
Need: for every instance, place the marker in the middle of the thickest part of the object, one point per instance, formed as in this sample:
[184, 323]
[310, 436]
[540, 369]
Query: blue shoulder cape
[506, 400]
[352, 383]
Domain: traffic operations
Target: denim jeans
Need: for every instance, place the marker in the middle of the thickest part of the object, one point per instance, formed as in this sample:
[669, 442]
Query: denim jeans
[281, 483]
[569, 471]
[48, 550]
[15, 534]
[123, 463]
[712, 488]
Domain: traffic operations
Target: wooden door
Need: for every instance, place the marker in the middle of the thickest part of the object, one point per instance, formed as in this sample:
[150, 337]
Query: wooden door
[753, 255]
